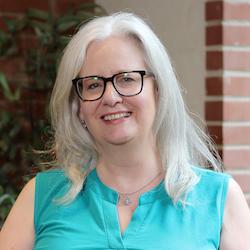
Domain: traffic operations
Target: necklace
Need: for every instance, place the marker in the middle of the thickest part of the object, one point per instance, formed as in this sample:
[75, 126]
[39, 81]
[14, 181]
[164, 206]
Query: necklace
[128, 201]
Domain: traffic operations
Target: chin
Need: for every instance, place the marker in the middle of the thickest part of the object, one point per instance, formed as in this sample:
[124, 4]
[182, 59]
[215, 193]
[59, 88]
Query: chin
[119, 142]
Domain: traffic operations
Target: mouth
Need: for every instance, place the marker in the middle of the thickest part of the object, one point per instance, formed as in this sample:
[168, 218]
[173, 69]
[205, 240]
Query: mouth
[116, 116]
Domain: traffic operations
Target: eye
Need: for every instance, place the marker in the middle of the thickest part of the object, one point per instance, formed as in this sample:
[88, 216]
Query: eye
[125, 78]
[94, 85]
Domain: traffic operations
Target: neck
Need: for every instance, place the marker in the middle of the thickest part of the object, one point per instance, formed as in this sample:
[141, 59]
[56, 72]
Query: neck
[128, 167]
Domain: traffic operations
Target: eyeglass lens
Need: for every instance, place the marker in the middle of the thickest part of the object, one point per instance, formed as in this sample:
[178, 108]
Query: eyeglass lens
[126, 84]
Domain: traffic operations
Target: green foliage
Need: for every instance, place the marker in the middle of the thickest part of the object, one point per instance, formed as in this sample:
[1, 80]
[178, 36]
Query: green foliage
[21, 131]
[7, 199]
[6, 89]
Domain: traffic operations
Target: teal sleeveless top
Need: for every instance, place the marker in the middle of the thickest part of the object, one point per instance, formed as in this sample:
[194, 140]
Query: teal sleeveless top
[91, 220]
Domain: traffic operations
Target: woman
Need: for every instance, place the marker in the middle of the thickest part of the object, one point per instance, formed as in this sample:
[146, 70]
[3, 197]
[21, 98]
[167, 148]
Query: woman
[126, 156]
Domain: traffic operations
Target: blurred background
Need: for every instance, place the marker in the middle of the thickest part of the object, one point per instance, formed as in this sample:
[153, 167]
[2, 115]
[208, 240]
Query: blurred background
[208, 42]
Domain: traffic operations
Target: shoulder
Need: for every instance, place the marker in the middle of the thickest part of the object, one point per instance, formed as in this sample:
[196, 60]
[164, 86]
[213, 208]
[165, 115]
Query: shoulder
[234, 194]
[51, 174]
[211, 179]
[18, 229]
[50, 185]
[210, 192]
[236, 223]
[50, 182]
[208, 173]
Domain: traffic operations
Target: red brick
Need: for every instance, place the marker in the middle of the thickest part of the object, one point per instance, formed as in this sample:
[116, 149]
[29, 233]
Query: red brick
[30, 108]
[236, 86]
[2, 24]
[214, 10]
[214, 35]
[236, 111]
[214, 60]
[236, 135]
[11, 66]
[233, 158]
[238, 11]
[37, 95]
[243, 180]
[228, 35]
[230, 60]
[8, 16]
[236, 60]
[230, 135]
[227, 111]
[214, 111]
[218, 10]
[216, 133]
[214, 86]
[236, 35]
[27, 42]
[37, 109]
[231, 86]
[22, 6]
[62, 6]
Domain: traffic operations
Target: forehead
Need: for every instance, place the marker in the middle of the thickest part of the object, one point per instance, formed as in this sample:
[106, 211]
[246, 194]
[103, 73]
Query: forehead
[112, 55]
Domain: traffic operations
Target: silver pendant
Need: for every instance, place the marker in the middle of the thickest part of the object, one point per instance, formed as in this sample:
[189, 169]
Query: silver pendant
[127, 201]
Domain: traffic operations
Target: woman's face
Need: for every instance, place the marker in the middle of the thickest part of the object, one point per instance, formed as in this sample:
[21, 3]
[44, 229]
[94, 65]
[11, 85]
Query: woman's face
[115, 119]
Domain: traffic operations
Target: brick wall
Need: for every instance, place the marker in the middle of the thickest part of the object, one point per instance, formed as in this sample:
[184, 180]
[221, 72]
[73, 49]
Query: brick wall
[228, 84]
[14, 67]
[28, 113]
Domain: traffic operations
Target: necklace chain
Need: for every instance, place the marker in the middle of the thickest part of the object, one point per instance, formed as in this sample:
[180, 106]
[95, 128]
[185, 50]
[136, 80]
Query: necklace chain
[128, 200]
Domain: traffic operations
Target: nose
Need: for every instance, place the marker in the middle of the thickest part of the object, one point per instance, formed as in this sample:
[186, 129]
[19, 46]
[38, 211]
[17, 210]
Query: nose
[111, 96]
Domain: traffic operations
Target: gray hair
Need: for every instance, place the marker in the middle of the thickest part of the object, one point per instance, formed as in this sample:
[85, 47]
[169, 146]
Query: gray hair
[181, 143]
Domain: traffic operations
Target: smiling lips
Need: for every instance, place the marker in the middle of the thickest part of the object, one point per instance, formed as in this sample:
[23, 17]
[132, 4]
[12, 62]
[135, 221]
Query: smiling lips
[116, 116]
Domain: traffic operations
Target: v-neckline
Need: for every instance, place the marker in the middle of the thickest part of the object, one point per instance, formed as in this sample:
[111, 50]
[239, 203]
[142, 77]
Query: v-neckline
[110, 195]
[109, 199]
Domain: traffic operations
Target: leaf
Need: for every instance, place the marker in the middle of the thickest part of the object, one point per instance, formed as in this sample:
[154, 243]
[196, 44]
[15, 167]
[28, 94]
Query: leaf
[14, 131]
[3, 38]
[64, 40]
[93, 7]
[39, 14]
[11, 24]
[43, 27]
[6, 89]
[66, 25]
[65, 18]
[12, 153]
[6, 197]
[84, 16]
[17, 94]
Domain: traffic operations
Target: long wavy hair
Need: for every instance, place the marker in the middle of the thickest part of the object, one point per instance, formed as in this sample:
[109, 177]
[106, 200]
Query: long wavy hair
[181, 143]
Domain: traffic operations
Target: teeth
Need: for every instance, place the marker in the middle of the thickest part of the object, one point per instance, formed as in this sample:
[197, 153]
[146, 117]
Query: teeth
[116, 116]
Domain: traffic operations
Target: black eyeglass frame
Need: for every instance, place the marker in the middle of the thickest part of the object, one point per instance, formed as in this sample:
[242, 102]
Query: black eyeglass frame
[111, 79]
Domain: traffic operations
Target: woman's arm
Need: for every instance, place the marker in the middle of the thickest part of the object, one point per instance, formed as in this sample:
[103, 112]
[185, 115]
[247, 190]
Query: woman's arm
[236, 225]
[18, 230]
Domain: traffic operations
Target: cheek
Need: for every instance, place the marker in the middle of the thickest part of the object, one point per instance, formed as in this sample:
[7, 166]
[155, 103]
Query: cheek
[147, 107]
[87, 111]
[150, 99]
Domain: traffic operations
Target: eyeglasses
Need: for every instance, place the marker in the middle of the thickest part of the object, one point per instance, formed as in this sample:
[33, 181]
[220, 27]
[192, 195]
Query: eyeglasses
[92, 88]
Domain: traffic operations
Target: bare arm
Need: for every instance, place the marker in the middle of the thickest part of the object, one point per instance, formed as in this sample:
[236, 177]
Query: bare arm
[18, 230]
[236, 225]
